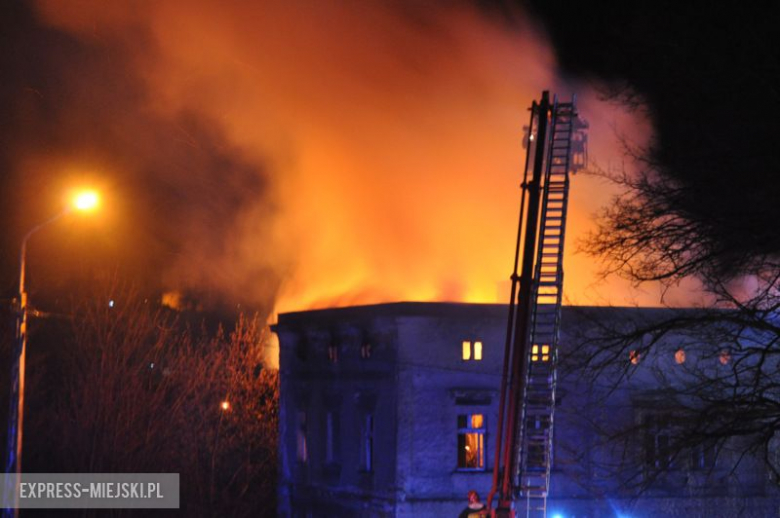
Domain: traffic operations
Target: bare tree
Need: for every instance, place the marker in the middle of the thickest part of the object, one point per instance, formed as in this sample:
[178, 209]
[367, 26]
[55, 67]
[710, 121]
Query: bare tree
[703, 206]
[710, 374]
[144, 390]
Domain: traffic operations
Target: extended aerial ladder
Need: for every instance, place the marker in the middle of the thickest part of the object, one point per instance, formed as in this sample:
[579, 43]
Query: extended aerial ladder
[557, 146]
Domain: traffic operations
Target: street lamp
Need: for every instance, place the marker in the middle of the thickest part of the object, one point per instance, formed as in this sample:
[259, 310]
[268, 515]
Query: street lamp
[86, 201]
[82, 201]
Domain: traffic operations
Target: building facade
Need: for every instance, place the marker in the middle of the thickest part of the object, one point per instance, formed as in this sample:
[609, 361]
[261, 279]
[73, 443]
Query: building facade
[390, 410]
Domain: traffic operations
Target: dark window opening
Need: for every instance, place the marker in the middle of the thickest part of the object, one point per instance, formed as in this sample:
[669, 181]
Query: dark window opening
[703, 456]
[658, 450]
[367, 444]
[331, 437]
[302, 447]
[333, 353]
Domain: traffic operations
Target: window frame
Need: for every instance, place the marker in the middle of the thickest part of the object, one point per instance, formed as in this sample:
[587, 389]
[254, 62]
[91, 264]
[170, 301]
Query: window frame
[472, 350]
[465, 428]
[704, 456]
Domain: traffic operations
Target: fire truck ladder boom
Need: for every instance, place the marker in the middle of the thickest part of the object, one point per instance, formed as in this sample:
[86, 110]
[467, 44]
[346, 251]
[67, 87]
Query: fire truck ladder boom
[538, 408]
[528, 384]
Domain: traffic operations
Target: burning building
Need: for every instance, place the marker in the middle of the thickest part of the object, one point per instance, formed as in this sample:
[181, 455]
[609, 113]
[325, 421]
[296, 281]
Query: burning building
[391, 410]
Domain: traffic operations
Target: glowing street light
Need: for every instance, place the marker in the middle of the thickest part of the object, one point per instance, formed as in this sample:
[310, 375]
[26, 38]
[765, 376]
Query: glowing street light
[225, 405]
[86, 201]
[83, 201]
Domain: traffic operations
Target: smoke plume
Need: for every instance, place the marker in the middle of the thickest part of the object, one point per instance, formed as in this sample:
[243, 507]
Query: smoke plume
[293, 155]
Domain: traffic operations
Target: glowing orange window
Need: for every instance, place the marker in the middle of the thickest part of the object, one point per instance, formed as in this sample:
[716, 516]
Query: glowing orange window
[540, 353]
[471, 442]
[466, 350]
[471, 350]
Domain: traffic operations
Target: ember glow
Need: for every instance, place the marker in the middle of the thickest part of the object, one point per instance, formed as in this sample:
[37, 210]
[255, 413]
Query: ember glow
[387, 135]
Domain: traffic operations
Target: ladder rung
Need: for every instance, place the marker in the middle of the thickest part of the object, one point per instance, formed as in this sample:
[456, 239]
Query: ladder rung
[542, 324]
[543, 387]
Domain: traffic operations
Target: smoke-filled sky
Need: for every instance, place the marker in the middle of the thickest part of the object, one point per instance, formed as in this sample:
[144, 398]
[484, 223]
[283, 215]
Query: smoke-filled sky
[292, 155]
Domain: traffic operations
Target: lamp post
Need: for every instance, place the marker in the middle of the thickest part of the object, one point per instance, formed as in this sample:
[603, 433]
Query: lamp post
[84, 201]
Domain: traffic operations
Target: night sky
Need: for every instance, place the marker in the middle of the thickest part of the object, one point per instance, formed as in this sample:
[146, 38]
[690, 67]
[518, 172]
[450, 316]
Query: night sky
[300, 155]
[710, 80]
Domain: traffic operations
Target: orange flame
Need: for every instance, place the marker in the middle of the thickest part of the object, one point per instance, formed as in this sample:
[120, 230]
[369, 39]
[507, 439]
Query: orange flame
[394, 138]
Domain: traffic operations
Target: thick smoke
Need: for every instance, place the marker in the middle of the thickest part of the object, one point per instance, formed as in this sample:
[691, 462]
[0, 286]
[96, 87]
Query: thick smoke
[307, 154]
